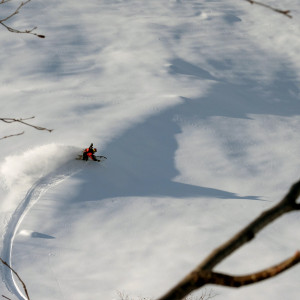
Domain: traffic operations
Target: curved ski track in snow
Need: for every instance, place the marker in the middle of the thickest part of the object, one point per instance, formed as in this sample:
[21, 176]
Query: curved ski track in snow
[31, 197]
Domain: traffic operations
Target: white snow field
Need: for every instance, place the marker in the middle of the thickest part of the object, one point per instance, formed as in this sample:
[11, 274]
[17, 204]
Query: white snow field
[196, 105]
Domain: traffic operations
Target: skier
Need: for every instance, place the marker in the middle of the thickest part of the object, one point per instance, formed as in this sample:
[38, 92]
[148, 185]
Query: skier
[89, 153]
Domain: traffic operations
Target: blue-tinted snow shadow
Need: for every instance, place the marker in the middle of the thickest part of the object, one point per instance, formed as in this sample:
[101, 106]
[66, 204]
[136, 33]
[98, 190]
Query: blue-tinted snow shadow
[64, 57]
[239, 100]
[38, 235]
[141, 163]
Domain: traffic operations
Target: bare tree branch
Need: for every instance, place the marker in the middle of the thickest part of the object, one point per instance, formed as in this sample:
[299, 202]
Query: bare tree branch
[203, 274]
[22, 121]
[23, 284]
[284, 12]
[4, 1]
[30, 31]
[15, 12]
[287, 204]
[238, 281]
[8, 136]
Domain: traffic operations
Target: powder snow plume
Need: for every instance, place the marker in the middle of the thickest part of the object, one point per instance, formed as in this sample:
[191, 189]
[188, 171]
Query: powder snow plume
[19, 172]
[35, 163]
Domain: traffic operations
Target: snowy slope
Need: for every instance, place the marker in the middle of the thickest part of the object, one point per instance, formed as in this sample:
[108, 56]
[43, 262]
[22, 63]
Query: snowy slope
[195, 104]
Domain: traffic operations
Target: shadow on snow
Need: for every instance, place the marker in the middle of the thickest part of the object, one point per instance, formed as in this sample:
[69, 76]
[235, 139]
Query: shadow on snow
[141, 163]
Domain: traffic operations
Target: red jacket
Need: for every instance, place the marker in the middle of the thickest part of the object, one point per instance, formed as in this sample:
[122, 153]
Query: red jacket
[90, 153]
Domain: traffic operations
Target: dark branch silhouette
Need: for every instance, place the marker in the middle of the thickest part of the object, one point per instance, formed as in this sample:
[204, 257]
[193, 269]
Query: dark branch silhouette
[22, 121]
[238, 281]
[284, 12]
[8, 136]
[203, 274]
[23, 284]
[11, 29]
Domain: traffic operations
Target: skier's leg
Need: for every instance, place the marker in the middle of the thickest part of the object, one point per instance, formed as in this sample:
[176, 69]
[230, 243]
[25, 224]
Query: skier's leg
[84, 156]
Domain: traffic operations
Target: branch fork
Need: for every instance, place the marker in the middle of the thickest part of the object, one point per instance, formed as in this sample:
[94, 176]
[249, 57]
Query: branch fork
[204, 274]
[11, 29]
[24, 122]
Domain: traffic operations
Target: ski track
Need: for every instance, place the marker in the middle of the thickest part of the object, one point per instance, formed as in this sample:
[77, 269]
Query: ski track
[31, 197]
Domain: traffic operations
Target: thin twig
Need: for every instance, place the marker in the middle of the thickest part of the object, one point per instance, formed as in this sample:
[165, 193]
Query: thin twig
[23, 284]
[30, 31]
[4, 1]
[284, 12]
[22, 121]
[16, 11]
[8, 136]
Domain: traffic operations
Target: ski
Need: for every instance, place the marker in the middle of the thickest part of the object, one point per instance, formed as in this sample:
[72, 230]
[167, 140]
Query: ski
[99, 157]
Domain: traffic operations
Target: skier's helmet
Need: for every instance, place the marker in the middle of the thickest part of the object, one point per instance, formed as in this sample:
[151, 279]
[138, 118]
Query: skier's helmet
[95, 150]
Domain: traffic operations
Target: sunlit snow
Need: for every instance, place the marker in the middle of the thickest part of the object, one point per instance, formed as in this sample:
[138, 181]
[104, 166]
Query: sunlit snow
[196, 106]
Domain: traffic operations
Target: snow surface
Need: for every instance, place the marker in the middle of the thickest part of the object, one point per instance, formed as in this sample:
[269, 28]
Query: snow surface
[195, 104]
